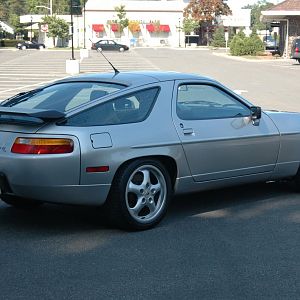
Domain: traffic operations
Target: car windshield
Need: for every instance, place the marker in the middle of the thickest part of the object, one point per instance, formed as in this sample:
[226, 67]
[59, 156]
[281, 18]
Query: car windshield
[63, 96]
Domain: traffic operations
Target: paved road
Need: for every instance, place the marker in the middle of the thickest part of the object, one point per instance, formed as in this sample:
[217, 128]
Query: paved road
[240, 243]
[25, 70]
[271, 84]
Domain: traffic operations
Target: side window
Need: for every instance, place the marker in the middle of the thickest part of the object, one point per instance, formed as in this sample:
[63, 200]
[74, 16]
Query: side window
[131, 108]
[202, 101]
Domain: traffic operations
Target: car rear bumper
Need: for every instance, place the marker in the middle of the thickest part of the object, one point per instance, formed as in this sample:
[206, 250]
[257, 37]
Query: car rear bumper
[95, 194]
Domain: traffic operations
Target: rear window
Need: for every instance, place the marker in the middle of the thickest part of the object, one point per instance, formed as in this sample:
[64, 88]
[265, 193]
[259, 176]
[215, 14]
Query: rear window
[63, 96]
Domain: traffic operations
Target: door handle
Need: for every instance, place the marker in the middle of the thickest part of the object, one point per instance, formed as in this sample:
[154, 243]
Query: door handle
[188, 131]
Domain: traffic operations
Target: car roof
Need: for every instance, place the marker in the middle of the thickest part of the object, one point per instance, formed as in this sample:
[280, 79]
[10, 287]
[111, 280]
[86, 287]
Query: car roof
[135, 78]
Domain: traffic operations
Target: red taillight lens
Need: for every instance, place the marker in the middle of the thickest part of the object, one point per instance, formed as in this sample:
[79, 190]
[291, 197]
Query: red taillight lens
[100, 169]
[42, 146]
[297, 49]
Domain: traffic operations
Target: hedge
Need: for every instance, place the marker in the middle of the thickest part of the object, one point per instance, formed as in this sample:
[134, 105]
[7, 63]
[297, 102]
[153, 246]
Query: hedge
[9, 43]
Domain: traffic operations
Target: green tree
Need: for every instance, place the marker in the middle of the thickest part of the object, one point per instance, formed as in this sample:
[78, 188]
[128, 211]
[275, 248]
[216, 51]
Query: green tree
[189, 25]
[31, 6]
[57, 28]
[4, 10]
[256, 10]
[205, 11]
[122, 21]
[219, 37]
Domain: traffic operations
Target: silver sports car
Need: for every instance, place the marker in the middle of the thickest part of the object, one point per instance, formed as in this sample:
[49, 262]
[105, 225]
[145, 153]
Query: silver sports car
[130, 141]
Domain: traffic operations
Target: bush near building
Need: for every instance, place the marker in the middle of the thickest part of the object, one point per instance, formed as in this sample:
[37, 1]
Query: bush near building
[242, 45]
[219, 37]
[9, 43]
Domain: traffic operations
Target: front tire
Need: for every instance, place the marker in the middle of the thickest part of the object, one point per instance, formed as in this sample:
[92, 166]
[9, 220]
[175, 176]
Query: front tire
[121, 49]
[23, 47]
[140, 195]
[19, 202]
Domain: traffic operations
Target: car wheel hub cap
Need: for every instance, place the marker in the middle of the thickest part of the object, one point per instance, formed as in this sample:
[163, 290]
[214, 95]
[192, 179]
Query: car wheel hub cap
[146, 193]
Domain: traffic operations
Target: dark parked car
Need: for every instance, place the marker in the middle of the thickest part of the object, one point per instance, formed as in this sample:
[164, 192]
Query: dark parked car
[109, 45]
[30, 45]
[295, 50]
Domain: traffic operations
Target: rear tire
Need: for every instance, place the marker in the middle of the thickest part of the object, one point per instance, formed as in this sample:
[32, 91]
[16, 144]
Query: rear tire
[19, 202]
[23, 47]
[99, 49]
[139, 195]
[298, 60]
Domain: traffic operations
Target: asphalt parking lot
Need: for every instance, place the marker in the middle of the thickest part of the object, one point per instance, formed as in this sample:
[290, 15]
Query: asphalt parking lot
[239, 243]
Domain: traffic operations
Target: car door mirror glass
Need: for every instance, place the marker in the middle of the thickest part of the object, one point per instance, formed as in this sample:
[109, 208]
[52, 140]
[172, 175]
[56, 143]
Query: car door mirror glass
[255, 114]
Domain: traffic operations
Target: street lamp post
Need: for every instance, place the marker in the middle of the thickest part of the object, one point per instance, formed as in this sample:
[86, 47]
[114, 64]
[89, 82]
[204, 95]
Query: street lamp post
[72, 29]
[179, 31]
[84, 29]
[30, 28]
[49, 8]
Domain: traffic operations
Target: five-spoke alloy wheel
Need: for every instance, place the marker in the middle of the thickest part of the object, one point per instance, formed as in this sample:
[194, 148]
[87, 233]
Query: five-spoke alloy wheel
[140, 195]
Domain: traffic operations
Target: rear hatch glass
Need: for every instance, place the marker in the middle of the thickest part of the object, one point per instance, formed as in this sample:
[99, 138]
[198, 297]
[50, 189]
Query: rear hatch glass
[29, 111]
[62, 97]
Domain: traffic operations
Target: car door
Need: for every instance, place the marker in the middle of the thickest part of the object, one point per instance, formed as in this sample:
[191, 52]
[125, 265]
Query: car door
[219, 137]
[103, 44]
[111, 45]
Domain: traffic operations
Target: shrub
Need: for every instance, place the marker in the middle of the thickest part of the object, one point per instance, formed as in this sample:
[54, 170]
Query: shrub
[9, 43]
[242, 45]
[237, 46]
[254, 45]
[219, 38]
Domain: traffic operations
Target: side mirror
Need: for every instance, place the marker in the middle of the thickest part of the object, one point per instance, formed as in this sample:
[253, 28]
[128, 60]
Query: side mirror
[255, 114]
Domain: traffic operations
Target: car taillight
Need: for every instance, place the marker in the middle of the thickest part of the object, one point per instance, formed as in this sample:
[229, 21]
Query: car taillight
[297, 49]
[42, 146]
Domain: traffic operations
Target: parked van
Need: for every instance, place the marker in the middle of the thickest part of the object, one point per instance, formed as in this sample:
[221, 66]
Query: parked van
[295, 50]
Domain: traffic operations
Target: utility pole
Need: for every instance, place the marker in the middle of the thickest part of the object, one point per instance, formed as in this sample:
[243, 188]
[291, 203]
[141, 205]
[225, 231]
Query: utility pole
[72, 29]
[84, 29]
[30, 28]
[51, 8]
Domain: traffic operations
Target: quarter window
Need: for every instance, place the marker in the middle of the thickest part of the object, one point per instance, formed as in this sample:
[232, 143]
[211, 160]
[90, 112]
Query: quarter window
[131, 108]
[198, 102]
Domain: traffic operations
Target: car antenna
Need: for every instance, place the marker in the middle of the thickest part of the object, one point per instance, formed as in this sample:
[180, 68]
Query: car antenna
[115, 70]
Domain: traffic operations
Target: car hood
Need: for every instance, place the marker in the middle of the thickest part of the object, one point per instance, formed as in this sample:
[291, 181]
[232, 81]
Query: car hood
[286, 122]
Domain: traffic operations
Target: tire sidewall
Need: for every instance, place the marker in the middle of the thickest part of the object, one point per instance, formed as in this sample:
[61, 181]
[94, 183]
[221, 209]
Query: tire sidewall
[120, 185]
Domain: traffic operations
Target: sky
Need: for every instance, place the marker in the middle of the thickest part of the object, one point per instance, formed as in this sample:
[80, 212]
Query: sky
[242, 3]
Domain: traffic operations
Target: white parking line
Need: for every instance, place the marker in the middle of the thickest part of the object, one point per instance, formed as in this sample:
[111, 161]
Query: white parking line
[240, 92]
[27, 86]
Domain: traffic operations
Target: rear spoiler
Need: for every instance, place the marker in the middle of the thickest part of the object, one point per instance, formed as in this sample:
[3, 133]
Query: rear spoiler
[21, 115]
